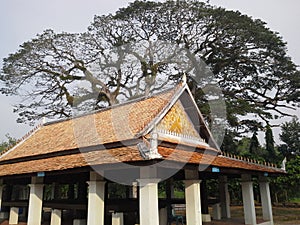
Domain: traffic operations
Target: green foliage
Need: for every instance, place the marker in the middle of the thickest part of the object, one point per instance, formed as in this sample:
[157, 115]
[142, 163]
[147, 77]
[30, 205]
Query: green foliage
[290, 135]
[234, 187]
[244, 146]
[248, 60]
[8, 143]
[287, 187]
[269, 142]
[254, 145]
[230, 144]
[116, 190]
[162, 189]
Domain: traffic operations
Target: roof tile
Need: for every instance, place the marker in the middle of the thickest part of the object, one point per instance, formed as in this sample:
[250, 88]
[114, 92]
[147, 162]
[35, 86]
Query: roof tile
[106, 126]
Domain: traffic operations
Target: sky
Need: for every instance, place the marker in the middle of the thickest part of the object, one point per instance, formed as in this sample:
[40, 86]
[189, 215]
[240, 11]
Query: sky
[21, 20]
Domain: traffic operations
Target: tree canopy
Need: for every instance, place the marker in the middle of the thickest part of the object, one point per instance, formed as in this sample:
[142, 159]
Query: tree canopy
[136, 51]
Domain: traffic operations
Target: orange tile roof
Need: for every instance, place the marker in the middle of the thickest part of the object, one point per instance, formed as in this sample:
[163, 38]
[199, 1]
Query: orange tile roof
[198, 158]
[106, 126]
[126, 154]
[71, 161]
[55, 146]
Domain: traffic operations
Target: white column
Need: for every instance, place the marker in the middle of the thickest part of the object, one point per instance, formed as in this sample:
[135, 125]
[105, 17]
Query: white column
[96, 203]
[224, 197]
[148, 200]
[55, 217]
[248, 200]
[266, 201]
[35, 204]
[117, 219]
[133, 190]
[14, 215]
[193, 202]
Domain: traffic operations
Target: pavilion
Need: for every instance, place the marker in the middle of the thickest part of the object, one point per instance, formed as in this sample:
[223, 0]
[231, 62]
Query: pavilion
[105, 167]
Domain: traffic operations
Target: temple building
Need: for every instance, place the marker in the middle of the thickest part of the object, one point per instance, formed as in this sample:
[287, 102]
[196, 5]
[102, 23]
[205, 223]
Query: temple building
[106, 167]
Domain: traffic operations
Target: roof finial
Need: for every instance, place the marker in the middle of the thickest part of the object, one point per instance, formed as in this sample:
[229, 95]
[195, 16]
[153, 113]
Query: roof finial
[283, 164]
[184, 78]
[44, 120]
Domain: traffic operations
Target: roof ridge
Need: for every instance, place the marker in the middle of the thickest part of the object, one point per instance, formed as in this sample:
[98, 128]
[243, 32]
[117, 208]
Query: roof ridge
[142, 98]
[253, 161]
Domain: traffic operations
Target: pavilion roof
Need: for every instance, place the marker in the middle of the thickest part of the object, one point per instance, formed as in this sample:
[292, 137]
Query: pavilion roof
[128, 154]
[114, 124]
[111, 136]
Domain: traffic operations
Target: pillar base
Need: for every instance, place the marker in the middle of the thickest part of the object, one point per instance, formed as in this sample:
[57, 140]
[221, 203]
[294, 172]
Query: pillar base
[206, 218]
[217, 211]
[14, 215]
[55, 217]
[4, 215]
[79, 222]
[117, 219]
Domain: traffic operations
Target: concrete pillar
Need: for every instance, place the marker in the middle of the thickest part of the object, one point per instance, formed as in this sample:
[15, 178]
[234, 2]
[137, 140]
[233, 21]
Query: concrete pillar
[192, 197]
[117, 218]
[96, 203]
[55, 217]
[248, 200]
[148, 201]
[133, 190]
[35, 201]
[14, 215]
[224, 197]
[163, 216]
[193, 202]
[216, 211]
[266, 200]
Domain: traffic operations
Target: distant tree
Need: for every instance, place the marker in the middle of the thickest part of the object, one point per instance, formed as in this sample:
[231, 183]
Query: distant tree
[270, 148]
[250, 147]
[230, 143]
[290, 135]
[7, 143]
[285, 188]
[243, 146]
[254, 145]
[248, 60]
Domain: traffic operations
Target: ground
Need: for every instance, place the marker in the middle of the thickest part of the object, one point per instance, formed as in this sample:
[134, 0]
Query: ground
[282, 216]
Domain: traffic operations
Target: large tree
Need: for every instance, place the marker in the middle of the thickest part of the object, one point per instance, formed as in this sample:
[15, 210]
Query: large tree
[136, 51]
